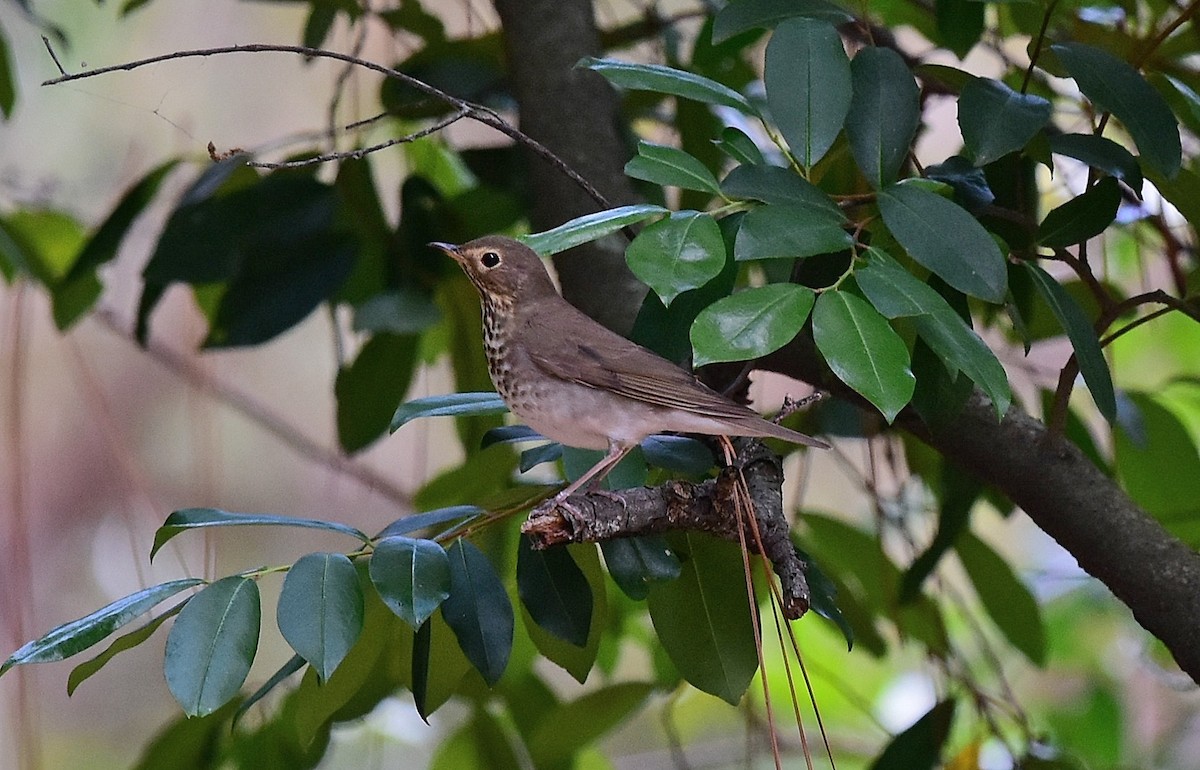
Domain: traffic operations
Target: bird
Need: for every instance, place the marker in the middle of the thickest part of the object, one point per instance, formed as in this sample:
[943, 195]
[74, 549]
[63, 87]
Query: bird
[577, 382]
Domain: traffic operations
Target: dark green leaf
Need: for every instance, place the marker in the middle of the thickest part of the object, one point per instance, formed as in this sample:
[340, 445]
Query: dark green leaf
[666, 80]
[576, 660]
[76, 636]
[554, 591]
[703, 618]
[430, 519]
[807, 78]
[772, 184]
[676, 254]
[478, 610]
[969, 182]
[1083, 338]
[636, 562]
[677, 453]
[863, 351]
[884, 114]
[790, 230]
[370, 389]
[571, 727]
[412, 577]
[750, 323]
[128, 641]
[943, 237]
[535, 456]
[438, 666]
[195, 518]
[453, 404]
[1007, 599]
[960, 24]
[1082, 217]
[671, 166]
[212, 644]
[589, 227]
[734, 143]
[320, 20]
[293, 665]
[1158, 462]
[996, 120]
[823, 596]
[403, 311]
[743, 15]
[8, 91]
[1102, 154]
[920, 746]
[1114, 86]
[958, 493]
[510, 434]
[320, 612]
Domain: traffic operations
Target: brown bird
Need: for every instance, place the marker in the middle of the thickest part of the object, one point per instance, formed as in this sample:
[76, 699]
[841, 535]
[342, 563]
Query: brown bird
[577, 382]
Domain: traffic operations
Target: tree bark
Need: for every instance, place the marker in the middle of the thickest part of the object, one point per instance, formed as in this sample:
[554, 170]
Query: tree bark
[577, 115]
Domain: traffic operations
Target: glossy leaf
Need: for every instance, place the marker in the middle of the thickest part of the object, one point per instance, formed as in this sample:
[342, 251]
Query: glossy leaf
[320, 612]
[667, 80]
[569, 727]
[676, 254]
[884, 114]
[1102, 154]
[589, 227]
[78, 635]
[438, 666]
[478, 610]
[212, 644]
[127, 641]
[750, 323]
[996, 120]
[636, 562]
[863, 351]
[1083, 338]
[416, 521]
[743, 15]
[703, 618]
[577, 660]
[412, 577]
[450, 405]
[1005, 597]
[1114, 86]
[968, 180]
[371, 388]
[807, 78]
[554, 591]
[737, 145]
[943, 237]
[199, 518]
[824, 595]
[1082, 217]
[671, 166]
[920, 746]
[772, 184]
[790, 230]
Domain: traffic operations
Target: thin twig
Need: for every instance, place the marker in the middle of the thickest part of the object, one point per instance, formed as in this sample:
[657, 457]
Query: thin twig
[53, 55]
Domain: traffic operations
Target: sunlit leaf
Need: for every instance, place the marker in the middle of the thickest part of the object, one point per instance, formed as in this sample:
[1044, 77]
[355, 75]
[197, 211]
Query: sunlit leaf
[667, 80]
[676, 254]
[589, 227]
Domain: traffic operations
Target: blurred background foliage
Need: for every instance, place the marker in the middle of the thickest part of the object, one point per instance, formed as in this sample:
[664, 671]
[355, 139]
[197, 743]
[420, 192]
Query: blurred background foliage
[181, 329]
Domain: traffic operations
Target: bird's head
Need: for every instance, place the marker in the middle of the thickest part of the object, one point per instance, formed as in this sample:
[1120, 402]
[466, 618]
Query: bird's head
[501, 268]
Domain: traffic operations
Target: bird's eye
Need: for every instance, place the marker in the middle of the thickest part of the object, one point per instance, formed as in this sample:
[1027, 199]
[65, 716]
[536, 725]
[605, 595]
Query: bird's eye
[490, 259]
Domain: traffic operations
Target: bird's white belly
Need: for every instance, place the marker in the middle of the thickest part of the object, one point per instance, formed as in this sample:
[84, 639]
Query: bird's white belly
[580, 416]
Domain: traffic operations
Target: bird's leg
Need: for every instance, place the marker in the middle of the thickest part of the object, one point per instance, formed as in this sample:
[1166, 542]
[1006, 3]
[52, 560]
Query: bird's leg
[595, 474]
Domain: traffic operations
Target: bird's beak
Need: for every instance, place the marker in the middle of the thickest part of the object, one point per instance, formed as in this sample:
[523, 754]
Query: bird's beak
[447, 248]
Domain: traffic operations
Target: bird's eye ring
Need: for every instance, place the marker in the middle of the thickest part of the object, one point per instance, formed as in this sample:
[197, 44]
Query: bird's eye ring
[490, 259]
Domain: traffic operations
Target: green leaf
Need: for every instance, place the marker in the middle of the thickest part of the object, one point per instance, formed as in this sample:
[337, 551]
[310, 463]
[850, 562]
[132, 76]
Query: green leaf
[78, 635]
[636, 562]
[293, 665]
[127, 641]
[772, 184]
[676, 254]
[807, 78]
[212, 644]
[743, 15]
[751, 323]
[667, 80]
[824, 598]
[943, 237]
[403, 311]
[320, 611]
[568, 728]
[863, 351]
[737, 145]
[920, 746]
[884, 114]
[703, 618]
[897, 293]
[1083, 338]
[1007, 599]
[576, 660]
[677, 453]
[371, 388]
[196, 518]
[478, 610]
[589, 227]
[450, 405]
[438, 666]
[1157, 461]
[790, 230]
[960, 24]
[671, 166]
[555, 591]
[480, 743]
[412, 577]
[1101, 154]
[968, 181]
[996, 120]
[1082, 217]
[428, 519]
[8, 90]
[1114, 86]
